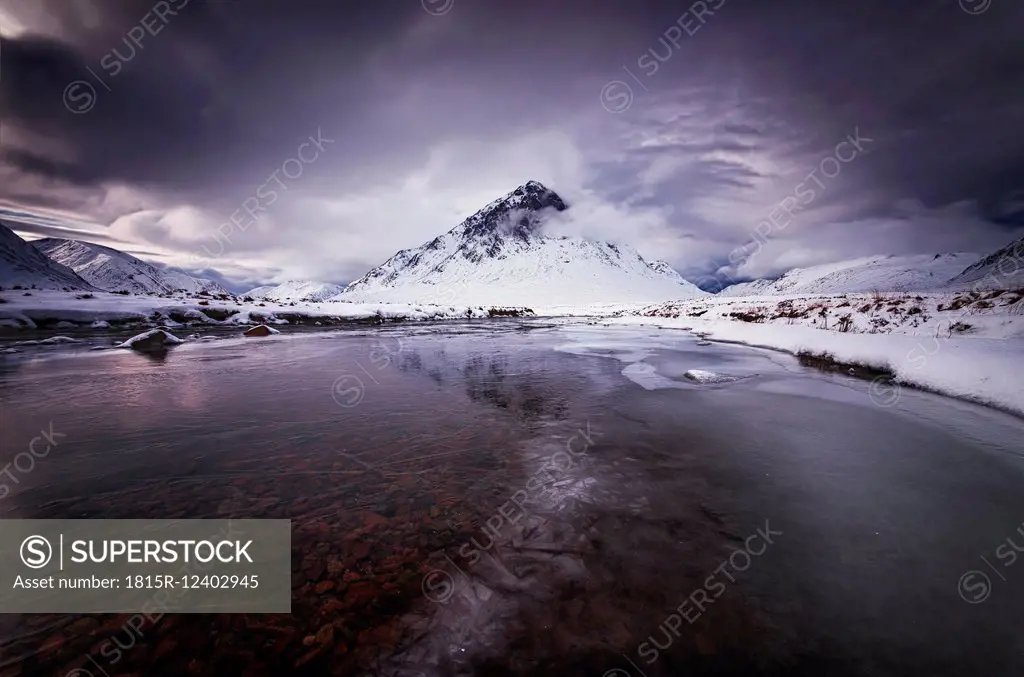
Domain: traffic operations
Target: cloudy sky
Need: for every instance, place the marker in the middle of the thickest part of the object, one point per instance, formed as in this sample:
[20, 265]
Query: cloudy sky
[277, 139]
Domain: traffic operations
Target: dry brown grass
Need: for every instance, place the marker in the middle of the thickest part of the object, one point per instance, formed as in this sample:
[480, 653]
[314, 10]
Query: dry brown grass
[748, 316]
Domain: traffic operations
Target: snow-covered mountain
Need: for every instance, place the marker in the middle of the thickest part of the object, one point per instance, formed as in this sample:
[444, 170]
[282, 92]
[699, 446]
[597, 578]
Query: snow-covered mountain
[112, 270]
[296, 290]
[23, 265]
[500, 255]
[922, 272]
[1002, 270]
[179, 280]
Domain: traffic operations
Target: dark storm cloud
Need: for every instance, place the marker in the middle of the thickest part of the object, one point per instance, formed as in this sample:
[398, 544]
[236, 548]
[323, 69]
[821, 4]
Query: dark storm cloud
[201, 103]
[941, 89]
[428, 112]
[226, 87]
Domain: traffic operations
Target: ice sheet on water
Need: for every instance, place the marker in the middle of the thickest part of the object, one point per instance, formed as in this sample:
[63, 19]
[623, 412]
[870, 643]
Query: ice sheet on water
[647, 377]
[620, 353]
[640, 352]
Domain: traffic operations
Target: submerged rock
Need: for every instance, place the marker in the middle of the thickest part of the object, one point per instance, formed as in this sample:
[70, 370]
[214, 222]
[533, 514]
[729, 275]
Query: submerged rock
[154, 340]
[701, 376]
[261, 330]
[53, 340]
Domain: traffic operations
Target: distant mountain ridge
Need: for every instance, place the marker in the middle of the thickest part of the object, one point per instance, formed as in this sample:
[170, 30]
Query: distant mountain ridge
[296, 290]
[1003, 269]
[923, 272]
[113, 270]
[501, 255]
[23, 265]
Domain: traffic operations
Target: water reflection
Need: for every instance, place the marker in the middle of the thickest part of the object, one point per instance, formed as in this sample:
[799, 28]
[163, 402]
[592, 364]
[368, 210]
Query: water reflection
[494, 506]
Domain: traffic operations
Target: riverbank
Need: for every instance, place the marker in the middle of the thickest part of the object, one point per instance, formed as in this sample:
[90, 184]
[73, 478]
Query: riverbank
[968, 346]
[30, 309]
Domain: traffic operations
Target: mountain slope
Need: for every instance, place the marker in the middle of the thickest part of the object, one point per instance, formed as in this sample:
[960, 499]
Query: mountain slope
[113, 270]
[258, 292]
[499, 255]
[296, 290]
[1002, 270]
[663, 268]
[23, 265]
[882, 273]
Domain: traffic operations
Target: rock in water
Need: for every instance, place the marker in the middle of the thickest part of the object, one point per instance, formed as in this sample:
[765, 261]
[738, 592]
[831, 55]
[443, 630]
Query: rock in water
[701, 376]
[154, 340]
[261, 330]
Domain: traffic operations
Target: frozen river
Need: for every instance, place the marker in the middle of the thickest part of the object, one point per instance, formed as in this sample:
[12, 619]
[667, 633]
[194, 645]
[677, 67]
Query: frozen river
[525, 498]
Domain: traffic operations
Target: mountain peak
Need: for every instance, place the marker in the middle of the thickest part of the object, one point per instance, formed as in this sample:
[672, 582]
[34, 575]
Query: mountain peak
[501, 255]
[534, 186]
[516, 215]
[536, 191]
[531, 195]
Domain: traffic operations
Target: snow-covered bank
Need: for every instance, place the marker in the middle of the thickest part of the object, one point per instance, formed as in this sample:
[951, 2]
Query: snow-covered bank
[586, 309]
[43, 309]
[971, 349]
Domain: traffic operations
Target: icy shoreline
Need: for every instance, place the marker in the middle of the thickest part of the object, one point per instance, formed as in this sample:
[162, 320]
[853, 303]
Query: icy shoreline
[927, 348]
[47, 309]
[967, 345]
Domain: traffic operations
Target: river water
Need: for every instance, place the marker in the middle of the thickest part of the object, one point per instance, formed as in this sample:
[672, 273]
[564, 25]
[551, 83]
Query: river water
[531, 498]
